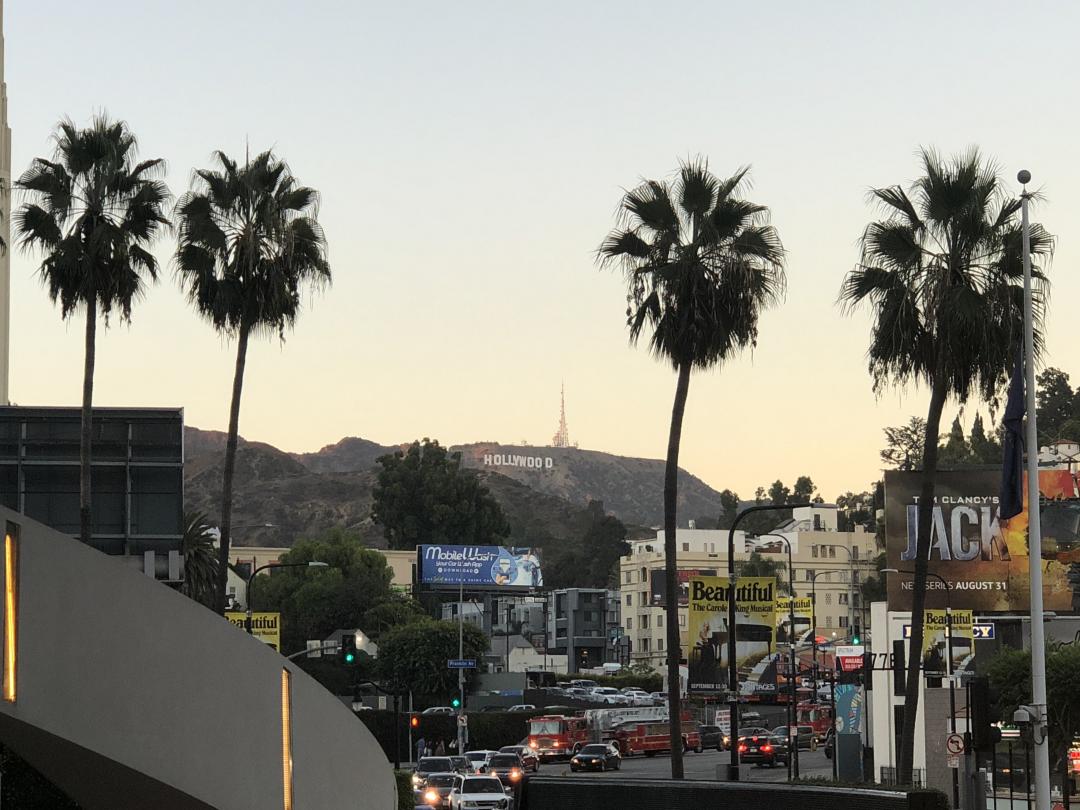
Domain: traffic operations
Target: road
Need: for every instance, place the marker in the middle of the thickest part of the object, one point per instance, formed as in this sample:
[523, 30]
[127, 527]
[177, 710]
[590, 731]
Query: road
[696, 766]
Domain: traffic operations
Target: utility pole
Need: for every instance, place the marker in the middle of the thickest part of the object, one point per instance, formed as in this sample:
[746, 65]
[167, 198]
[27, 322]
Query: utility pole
[461, 672]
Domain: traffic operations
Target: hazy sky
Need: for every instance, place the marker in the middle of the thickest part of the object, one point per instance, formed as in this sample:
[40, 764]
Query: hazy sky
[471, 156]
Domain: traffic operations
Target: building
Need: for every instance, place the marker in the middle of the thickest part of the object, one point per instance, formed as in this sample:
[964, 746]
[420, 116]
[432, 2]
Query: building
[583, 624]
[829, 564]
[137, 497]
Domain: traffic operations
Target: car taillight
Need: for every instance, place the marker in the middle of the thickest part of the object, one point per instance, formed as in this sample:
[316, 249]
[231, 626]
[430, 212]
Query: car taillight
[766, 748]
[533, 744]
[555, 744]
[742, 748]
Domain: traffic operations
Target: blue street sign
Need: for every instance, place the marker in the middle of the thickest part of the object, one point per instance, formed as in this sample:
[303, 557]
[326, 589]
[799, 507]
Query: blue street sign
[983, 631]
[461, 663]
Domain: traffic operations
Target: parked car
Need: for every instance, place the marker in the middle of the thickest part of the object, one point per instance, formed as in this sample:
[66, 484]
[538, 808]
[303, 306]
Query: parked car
[807, 739]
[479, 759]
[479, 792]
[507, 768]
[439, 710]
[764, 750]
[522, 707]
[461, 764]
[435, 792]
[638, 697]
[830, 743]
[429, 765]
[529, 760]
[596, 757]
[577, 692]
[608, 694]
[711, 737]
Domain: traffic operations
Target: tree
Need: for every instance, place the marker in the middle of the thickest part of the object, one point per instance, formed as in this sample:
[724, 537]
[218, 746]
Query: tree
[413, 657]
[984, 450]
[759, 496]
[855, 509]
[778, 493]
[701, 263]
[803, 490]
[1058, 406]
[249, 244]
[873, 587]
[315, 602]
[200, 559]
[766, 565]
[955, 452]
[904, 445]
[942, 274]
[93, 212]
[729, 502]
[423, 495]
[589, 560]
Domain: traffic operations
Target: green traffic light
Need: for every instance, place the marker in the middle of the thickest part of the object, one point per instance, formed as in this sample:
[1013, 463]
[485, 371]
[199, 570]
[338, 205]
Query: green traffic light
[855, 640]
[455, 703]
[349, 658]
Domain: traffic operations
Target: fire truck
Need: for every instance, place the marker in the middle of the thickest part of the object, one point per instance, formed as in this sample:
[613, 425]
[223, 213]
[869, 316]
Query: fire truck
[818, 715]
[636, 737]
[557, 735]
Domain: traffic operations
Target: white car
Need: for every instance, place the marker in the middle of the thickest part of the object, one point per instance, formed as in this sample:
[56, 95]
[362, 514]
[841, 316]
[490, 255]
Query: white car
[439, 710]
[609, 694]
[638, 697]
[479, 759]
[479, 793]
[522, 707]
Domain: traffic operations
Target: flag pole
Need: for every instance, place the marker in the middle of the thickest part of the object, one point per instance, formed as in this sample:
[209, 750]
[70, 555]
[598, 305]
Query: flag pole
[1038, 632]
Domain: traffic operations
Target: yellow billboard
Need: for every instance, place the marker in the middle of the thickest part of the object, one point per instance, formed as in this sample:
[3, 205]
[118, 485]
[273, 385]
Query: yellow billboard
[936, 639]
[264, 626]
[755, 625]
[804, 612]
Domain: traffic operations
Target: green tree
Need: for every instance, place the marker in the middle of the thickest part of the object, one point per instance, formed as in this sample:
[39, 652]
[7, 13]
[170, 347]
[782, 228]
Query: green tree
[984, 449]
[778, 493]
[200, 559]
[955, 452]
[904, 445]
[729, 502]
[93, 213]
[873, 587]
[941, 273]
[315, 602]
[701, 263]
[803, 490]
[766, 565]
[413, 657]
[589, 560]
[423, 495]
[249, 244]
[1057, 406]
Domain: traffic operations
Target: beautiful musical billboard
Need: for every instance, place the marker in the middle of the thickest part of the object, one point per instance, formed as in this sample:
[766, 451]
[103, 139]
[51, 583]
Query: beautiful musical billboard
[479, 567]
[658, 584]
[983, 559]
[755, 626]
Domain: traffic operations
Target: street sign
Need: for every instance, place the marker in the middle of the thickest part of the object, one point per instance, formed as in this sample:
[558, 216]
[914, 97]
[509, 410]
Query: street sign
[983, 630]
[850, 657]
[461, 663]
[907, 631]
[952, 760]
[954, 743]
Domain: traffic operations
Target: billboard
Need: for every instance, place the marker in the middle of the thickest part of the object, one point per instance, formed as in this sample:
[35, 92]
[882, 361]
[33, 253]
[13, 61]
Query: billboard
[266, 627]
[983, 559]
[707, 631]
[479, 567]
[804, 613]
[936, 640]
[658, 585]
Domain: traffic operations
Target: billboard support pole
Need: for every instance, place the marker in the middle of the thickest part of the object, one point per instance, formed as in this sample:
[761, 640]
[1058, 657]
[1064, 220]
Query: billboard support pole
[461, 672]
[1038, 638]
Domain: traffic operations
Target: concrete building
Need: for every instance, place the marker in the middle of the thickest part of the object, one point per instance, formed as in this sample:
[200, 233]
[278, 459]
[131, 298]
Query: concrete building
[828, 563]
[583, 625]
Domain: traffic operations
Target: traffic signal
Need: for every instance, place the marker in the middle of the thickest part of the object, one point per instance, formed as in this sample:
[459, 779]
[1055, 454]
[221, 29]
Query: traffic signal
[856, 637]
[414, 721]
[348, 649]
[984, 714]
[455, 702]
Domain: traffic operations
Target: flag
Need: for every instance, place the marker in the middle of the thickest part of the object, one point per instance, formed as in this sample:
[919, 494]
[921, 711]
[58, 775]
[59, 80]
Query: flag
[1012, 466]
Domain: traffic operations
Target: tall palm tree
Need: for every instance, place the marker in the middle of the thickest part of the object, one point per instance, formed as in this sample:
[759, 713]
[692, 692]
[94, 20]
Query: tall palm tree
[701, 263]
[249, 242]
[200, 559]
[942, 273]
[93, 212]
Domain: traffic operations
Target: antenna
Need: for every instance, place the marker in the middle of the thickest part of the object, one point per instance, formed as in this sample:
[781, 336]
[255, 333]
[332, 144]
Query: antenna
[562, 435]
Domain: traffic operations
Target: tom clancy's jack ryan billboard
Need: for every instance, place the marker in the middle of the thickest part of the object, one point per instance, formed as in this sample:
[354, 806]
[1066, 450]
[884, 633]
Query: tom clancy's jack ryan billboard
[983, 559]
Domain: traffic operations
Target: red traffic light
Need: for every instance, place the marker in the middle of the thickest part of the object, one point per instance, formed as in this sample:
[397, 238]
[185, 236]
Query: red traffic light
[414, 721]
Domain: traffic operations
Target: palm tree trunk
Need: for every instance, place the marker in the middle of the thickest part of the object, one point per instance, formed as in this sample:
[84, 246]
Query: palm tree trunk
[87, 431]
[671, 609]
[227, 475]
[918, 589]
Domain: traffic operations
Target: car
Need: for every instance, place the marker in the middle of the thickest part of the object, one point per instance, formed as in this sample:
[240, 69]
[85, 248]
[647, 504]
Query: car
[711, 737]
[830, 743]
[461, 764]
[439, 710]
[577, 692]
[508, 768]
[583, 684]
[638, 697]
[608, 694]
[479, 793]
[529, 760]
[436, 790]
[479, 759]
[764, 749]
[750, 718]
[430, 765]
[522, 707]
[596, 757]
[807, 740]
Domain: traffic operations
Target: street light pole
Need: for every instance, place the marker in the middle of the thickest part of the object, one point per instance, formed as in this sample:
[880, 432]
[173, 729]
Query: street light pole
[251, 583]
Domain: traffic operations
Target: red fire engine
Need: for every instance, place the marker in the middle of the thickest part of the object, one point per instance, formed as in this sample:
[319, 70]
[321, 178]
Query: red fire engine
[818, 715]
[648, 738]
[558, 736]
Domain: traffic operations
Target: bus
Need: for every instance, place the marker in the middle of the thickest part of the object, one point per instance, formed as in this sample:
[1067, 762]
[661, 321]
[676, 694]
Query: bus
[557, 735]
[635, 737]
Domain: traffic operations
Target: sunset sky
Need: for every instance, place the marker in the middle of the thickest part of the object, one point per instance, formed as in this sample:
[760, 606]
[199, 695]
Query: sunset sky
[471, 157]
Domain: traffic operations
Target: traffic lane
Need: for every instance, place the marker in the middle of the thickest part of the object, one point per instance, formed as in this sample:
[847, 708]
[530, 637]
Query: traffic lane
[695, 766]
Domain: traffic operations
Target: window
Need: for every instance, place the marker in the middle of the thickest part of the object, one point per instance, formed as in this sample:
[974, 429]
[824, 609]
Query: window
[828, 600]
[841, 599]
[682, 619]
[643, 598]
[645, 622]
[813, 551]
[843, 621]
[645, 642]
[627, 577]
[855, 599]
[644, 574]
[659, 645]
[685, 546]
[854, 552]
[629, 599]
[629, 623]
[832, 551]
[826, 576]
[588, 616]
[810, 574]
[828, 621]
[855, 577]
[660, 620]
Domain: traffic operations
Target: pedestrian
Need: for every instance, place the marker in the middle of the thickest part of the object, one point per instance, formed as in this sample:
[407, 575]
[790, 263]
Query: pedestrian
[453, 745]
[421, 748]
[440, 749]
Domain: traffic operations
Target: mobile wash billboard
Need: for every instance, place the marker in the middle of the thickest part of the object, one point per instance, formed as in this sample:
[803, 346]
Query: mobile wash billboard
[479, 567]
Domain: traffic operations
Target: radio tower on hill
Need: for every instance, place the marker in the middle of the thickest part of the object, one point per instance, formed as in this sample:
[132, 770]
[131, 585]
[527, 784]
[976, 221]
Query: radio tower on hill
[562, 435]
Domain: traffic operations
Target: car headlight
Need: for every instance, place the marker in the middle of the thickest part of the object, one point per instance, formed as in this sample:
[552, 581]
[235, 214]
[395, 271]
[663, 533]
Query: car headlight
[416, 780]
[431, 797]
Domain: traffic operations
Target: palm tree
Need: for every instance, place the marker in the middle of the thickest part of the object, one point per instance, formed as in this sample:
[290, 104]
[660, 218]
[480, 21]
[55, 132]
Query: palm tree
[249, 242]
[701, 263]
[942, 274]
[200, 559]
[93, 212]
[766, 565]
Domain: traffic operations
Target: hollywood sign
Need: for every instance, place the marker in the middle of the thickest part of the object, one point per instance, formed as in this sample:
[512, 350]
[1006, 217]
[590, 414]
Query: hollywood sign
[512, 460]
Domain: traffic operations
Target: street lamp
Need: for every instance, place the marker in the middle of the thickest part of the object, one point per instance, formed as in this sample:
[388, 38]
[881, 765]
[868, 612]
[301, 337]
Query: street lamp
[251, 582]
[948, 666]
